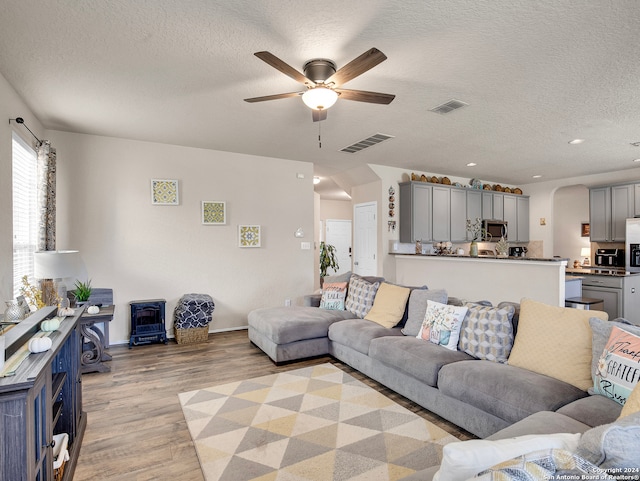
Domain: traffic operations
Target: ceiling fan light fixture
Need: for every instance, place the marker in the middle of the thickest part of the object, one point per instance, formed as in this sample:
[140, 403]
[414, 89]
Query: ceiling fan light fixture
[319, 98]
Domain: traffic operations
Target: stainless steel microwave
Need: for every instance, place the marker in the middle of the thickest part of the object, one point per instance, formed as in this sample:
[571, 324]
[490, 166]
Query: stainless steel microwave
[494, 229]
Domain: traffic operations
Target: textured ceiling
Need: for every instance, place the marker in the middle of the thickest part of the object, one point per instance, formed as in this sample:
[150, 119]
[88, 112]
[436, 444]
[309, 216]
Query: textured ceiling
[535, 74]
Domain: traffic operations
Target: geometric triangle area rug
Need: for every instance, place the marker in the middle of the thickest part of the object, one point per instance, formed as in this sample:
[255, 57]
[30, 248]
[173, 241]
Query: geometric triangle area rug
[312, 424]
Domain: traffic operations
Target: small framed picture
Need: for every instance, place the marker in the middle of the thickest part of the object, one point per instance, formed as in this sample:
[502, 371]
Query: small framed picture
[214, 212]
[249, 236]
[164, 192]
[586, 229]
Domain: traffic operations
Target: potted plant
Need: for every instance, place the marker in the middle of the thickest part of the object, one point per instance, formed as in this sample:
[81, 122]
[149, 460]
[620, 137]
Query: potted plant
[82, 292]
[328, 260]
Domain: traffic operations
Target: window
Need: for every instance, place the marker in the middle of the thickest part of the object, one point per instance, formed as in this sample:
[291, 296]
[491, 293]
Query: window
[25, 219]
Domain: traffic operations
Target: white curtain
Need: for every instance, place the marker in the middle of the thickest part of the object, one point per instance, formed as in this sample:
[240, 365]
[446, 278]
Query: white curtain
[46, 196]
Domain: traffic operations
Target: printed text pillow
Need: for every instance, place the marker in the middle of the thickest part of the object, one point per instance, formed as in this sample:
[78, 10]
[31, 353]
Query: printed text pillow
[442, 324]
[619, 366]
[333, 295]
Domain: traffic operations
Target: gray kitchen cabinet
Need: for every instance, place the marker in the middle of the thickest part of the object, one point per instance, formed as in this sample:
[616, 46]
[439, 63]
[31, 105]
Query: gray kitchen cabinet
[416, 202]
[621, 294]
[600, 214]
[622, 207]
[441, 213]
[458, 214]
[492, 205]
[474, 209]
[636, 210]
[609, 207]
[522, 204]
[516, 213]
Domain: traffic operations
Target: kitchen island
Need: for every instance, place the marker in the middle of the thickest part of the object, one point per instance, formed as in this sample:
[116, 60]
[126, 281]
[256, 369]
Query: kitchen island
[494, 279]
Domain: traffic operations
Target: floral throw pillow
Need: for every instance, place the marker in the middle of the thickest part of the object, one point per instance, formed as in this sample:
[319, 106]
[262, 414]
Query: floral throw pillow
[442, 324]
[333, 295]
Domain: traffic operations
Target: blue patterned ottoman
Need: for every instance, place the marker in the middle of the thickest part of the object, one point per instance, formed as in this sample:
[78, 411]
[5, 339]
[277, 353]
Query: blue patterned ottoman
[192, 316]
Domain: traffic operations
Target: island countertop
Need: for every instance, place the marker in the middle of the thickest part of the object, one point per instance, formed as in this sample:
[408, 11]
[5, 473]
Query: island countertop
[498, 258]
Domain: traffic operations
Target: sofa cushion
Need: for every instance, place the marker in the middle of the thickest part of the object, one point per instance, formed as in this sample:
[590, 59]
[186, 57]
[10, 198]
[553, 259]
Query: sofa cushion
[601, 330]
[542, 422]
[358, 333]
[360, 295]
[619, 366]
[417, 307]
[487, 332]
[614, 446]
[283, 325]
[592, 410]
[442, 324]
[508, 392]
[333, 295]
[420, 359]
[555, 341]
[388, 305]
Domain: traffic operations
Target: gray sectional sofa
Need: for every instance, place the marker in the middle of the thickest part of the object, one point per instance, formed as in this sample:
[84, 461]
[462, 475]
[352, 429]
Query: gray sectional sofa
[480, 396]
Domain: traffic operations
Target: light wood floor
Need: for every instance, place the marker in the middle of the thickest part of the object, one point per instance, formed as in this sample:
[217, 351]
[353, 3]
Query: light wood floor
[136, 430]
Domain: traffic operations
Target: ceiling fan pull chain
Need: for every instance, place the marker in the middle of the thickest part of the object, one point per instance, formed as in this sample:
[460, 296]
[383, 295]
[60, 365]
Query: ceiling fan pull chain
[319, 135]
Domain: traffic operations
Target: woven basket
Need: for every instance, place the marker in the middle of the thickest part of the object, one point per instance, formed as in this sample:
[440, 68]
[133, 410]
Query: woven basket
[192, 335]
[58, 473]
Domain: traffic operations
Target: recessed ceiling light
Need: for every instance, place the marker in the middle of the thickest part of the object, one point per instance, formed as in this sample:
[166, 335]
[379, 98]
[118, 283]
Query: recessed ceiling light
[636, 160]
[537, 176]
[576, 141]
[471, 164]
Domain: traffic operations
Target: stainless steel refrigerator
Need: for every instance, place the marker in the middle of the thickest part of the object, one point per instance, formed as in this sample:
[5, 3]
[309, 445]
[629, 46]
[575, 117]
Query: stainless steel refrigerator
[632, 245]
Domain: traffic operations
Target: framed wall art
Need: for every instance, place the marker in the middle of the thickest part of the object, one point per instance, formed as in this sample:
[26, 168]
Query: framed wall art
[214, 212]
[249, 236]
[164, 192]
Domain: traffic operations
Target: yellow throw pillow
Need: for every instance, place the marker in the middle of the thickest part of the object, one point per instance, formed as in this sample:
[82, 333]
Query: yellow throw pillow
[555, 341]
[388, 305]
[633, 402]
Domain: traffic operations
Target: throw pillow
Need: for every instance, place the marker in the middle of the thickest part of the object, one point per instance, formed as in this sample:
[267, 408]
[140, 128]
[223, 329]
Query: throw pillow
[487, 332]
[360, 295]
[388, 305]
[633, 403]
[555, 341]
[333, 294]
[418, 307]
[601, 330]
[613, 446]
[442, 324]
[461, 461]
[619, 366]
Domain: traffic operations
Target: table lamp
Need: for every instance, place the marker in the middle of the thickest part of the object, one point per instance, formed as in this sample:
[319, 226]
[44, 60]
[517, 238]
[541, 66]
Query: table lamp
[51, 267]
[586, 253]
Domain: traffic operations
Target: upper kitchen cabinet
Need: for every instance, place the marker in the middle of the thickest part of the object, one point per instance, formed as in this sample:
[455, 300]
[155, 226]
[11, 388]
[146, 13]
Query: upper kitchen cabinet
[416, 203]
[441, 213]
[609, 207]
[474, 211]
[516, 213]
[492, 205]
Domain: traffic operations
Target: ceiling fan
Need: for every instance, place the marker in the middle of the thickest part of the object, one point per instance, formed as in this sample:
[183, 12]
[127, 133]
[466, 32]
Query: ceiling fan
[323, 81]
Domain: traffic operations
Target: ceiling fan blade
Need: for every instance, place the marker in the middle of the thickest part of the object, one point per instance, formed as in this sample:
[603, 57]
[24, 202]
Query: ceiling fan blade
[284, 67]
[357, 66]
[318, 115]
[364, 96]
[273, 97]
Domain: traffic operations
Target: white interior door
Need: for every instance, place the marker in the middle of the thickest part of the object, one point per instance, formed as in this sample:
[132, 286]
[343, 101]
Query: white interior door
[365, 239]
[338, 234]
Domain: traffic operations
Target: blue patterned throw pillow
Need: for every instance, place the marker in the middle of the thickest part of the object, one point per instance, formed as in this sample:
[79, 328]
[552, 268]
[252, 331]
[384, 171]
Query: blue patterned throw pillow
[360, 295]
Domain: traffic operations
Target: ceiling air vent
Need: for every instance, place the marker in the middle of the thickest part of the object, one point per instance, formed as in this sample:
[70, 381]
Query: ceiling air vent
[448, 106]
[366, 143]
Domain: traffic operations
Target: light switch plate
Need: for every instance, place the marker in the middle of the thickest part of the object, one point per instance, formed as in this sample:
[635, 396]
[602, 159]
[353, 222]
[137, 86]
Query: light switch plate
[305, 246]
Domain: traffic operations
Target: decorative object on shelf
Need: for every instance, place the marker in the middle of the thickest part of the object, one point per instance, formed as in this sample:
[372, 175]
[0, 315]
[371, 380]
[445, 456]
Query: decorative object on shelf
[576, 264]
[249, 236]
[475, 184]
[93, 310]
[13, 312]
[414, 177]
[477, 233]
[328, 260]
[446, 181]
[82, 291]
[517, 190]
[214, 212]
[51, 267]
[473, 249]
[443, 248]
[164, 192]
[418, 247]
[40, 344]
[502, 247]
[50, 325]
[423, 178]
[585, 252]
[32, 294]
[392, 201]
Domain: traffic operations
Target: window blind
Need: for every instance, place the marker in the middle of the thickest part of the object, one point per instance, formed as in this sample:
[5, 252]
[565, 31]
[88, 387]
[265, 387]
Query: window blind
[25, 219]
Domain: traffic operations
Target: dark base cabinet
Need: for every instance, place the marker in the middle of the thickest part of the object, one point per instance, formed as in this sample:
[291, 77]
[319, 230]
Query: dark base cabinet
[42, 399]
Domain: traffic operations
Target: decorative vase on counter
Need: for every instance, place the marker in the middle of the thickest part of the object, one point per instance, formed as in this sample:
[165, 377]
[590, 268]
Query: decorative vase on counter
[13, 312]
[473, 249]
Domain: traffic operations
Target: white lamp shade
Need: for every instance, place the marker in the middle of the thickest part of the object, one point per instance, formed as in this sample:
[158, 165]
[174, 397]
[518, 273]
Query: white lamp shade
[56, 264]
[319, 98]
[585, 252]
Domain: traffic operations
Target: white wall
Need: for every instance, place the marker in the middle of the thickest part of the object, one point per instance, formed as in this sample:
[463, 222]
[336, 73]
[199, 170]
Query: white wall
[144, 251]
[570, 211]
[11, 106]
